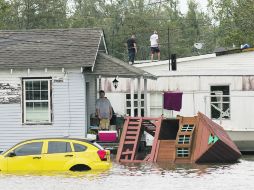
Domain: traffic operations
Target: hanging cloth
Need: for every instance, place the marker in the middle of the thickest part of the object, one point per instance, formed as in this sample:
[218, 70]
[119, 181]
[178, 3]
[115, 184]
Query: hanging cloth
[172, 100]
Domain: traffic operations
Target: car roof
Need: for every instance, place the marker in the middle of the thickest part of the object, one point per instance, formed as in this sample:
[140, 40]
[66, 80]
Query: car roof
[61, 138]
[54, 138]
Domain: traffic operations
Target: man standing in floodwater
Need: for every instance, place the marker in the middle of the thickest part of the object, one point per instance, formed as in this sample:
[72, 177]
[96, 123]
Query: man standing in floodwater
[132, 48]
[154, 39]
[103, 111]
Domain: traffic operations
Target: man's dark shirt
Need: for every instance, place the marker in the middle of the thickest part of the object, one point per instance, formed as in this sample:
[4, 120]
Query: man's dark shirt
[130, 43]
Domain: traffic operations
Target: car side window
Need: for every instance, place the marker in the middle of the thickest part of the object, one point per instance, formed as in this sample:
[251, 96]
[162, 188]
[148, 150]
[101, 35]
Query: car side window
[79, 147]
[34, 148]
[58, 147]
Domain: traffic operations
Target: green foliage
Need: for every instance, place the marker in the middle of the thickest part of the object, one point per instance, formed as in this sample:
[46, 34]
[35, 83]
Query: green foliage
[226, 23]
[4, 11]
[234, 19]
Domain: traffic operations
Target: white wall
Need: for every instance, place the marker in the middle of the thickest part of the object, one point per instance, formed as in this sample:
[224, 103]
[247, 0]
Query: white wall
[195, 89]
[68, 99]
[118, 102]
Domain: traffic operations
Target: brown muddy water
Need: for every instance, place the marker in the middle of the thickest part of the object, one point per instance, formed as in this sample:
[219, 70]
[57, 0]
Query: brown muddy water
[237, 176]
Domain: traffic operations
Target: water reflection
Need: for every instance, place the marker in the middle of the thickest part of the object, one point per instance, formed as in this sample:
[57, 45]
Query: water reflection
[139, 176]
[91, 174]
[164, 169]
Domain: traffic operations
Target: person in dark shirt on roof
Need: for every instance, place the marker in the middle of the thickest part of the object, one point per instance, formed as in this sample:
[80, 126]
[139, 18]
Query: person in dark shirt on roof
[132, 48]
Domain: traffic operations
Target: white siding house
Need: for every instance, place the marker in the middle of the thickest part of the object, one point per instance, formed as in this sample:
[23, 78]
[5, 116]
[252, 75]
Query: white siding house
[49, 82]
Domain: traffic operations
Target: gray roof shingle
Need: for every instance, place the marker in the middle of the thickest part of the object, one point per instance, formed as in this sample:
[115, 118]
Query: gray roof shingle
[62, 48]
[108, 66]
[49, 48]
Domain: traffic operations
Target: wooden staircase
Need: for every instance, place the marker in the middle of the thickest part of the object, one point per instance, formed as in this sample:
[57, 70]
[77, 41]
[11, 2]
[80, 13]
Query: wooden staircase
[131, 135]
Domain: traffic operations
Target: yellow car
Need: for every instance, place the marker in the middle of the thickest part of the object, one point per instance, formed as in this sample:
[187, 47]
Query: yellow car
[55, 154]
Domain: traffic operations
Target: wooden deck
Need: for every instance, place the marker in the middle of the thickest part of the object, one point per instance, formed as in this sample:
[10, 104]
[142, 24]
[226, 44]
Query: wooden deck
[177, 140]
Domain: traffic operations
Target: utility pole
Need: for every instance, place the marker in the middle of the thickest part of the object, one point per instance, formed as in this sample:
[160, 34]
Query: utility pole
[112, 44]
[169, 56]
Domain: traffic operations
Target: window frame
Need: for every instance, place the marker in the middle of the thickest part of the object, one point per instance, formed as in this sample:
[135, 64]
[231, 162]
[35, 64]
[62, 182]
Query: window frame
[74, 150]
[55, 141]
[24, 101]
[25, 144]
[183, 152]
[135, 99]
[222, 102]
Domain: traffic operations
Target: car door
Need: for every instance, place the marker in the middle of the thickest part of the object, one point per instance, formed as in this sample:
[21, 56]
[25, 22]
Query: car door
[58, 154]
[25, 157]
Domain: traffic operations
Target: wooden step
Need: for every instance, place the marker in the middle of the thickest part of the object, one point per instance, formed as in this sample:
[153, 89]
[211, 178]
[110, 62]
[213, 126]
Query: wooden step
[127, 152]
[131, 137]
[131, 133]
[132, 127]
[147, 157]
[133, 123]
[129, 142]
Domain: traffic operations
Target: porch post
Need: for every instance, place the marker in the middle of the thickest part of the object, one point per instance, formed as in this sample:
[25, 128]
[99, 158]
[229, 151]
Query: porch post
[139, 97]
[145, 98]
[100, 83]
[132, 97]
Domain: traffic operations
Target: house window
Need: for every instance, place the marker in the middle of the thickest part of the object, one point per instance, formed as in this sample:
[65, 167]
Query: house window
[128, 104]
[36, 100]
[187, 128]
[184, 139]
[182, 152]
[220, 102]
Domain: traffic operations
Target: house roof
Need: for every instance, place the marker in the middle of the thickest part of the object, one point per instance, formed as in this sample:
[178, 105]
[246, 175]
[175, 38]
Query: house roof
[63, 48]
[207, 65]
[108, 66]
[49, 48]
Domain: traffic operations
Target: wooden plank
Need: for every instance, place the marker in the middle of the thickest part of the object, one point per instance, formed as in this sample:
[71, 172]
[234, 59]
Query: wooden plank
[131, 133]
[136, 140]
[127, 152]
[132, 128]
[130, 137]
[155, 140]
[129, 142]
[122, 139]
[166, 150]
[134, 123]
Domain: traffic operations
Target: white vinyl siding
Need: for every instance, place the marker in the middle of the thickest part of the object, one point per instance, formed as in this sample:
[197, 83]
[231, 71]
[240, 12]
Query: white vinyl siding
[68, 107]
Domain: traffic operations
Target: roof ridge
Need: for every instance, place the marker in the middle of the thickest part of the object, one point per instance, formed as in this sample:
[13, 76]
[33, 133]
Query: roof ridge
[126, 65]
[49, 29]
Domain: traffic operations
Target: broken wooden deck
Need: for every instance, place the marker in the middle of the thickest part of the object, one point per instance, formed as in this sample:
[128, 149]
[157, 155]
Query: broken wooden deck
[179, 140]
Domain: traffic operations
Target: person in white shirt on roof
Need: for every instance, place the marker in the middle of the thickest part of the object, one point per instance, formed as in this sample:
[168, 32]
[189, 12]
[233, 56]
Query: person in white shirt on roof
[154, 39]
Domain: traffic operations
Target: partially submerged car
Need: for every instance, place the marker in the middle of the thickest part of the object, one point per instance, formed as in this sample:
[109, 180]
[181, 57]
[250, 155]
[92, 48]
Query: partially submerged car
[55, 154]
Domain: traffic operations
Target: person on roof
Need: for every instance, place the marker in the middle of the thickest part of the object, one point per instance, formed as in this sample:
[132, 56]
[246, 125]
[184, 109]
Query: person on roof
[154, 39]
[132, 48]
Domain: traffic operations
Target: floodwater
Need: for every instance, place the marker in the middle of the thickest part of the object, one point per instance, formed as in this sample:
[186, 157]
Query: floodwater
[237, 176]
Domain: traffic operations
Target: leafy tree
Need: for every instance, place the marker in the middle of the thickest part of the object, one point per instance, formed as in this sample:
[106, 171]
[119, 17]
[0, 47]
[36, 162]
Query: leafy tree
[234, 20]
[30, 14]
[4, 14]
